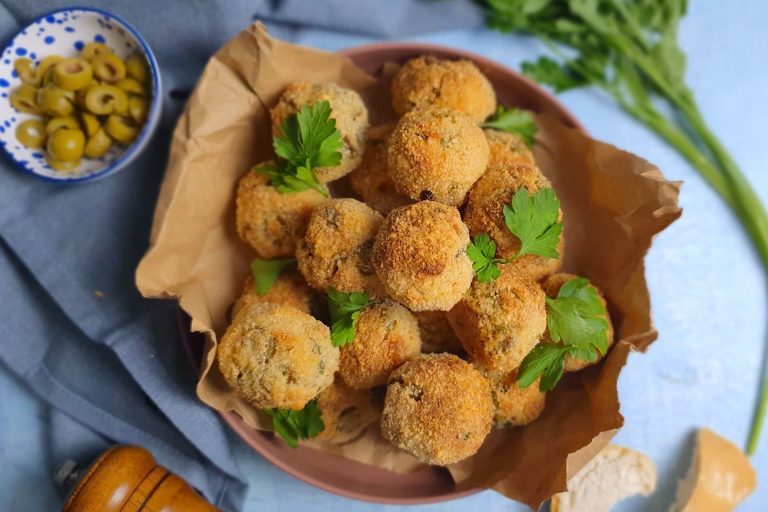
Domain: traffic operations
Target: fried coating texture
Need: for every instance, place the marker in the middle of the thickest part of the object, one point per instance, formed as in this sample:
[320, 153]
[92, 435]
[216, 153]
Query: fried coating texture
[436, 155]
[420, 256]
[271, 222]
[386, 336]
[371, 180]
[290, 289]
[347, 108]
[277, 356]
[506, 149]
[437, 334]
[551, 286]
[438, 408]
[499, 322]
[426, 82]
[346, 412]
[336, 250]
[514, 406]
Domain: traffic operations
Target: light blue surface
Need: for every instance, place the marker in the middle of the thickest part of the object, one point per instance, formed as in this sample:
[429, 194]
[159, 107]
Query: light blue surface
[707, 288]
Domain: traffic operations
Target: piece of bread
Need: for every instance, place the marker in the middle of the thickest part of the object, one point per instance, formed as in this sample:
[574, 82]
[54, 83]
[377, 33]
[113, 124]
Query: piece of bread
[719, 479]
[614, 474]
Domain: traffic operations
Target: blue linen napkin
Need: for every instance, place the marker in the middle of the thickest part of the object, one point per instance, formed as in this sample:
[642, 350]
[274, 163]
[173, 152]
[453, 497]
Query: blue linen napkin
[72, 325]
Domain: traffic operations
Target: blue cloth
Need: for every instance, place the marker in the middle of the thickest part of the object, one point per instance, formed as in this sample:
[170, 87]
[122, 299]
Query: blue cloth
[73, 326]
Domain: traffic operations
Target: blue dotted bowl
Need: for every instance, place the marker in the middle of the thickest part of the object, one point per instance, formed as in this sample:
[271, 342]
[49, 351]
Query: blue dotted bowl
[65, 32]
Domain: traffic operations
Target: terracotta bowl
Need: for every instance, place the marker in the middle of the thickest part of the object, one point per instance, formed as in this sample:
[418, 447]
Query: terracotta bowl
[352, 479]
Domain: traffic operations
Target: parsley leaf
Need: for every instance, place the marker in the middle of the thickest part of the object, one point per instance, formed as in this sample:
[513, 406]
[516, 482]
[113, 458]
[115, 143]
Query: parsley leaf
[513, 120]
[292, 426]
[345, 309]
[482, 251]
[545, 360]
[266, 272]
[533, 219]
[547, 71]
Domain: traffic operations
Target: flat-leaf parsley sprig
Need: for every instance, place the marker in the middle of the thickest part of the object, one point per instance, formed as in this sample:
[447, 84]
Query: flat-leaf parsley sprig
[308, 139]
[533, 220]
[345, 309]
[513, 120]
[292, 426]
[577, 324]
[266, 272]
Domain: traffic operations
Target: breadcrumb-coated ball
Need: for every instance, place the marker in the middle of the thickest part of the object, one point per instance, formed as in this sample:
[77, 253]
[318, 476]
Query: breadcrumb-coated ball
[269, 221]
[336, 250]
[290, 289]
[514, 406]
[551, 286]
[386, 335]
[371, 180]
[499, 322]
[346, 412]
[438, 408]
[485, 214]
[436, 155]
[506, 149]
[437, 334]
[457, 85]
[347, 108]
[420, 255]
[277, 356]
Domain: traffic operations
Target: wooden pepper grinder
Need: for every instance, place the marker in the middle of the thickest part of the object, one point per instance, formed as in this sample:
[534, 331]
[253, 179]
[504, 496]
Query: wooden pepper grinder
[128, 479]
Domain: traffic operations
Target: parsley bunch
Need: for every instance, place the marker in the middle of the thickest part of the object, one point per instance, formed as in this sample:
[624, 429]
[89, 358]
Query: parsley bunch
[345, 309]
[628, 49]
[577, 326]
[533, 220]
[292, 426]
[266, 272]
[308, 139]
[513, 120]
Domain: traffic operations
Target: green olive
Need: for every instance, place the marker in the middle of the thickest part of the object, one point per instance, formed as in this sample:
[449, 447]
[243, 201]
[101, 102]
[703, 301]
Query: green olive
[54, 101]
[131, 86]
[45, 66]
[137, 107]
[31, 133]
[66, 144]
[91, 50]
[90, 123]
[57, 123]
[98, 144]
[105, 99]
[108, 67]
[24, 99]
[62, 165]
[72, 74]
[121, 129]
[23, 67]
[137, 68]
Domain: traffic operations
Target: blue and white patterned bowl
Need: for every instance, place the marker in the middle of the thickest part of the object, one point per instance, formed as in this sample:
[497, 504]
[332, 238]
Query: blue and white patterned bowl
[64, 32]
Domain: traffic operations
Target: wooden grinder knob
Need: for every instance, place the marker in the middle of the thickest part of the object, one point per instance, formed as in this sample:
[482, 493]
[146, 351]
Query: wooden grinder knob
[128, 479]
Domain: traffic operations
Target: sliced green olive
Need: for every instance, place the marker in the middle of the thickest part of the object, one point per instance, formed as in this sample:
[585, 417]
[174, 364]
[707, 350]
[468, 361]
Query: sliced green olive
[137, 68]
[90, 123]
[62, 165]
[24, 99]
[91, 50]
[24, 68]
[137, 108]
[105, 99]
[45, 66]
[121, 129]
[57, 123]
[31, 133]
[108, 67]
[66, 144]
[131, 86]
[54, 101]
[72, 74]
[98, 144]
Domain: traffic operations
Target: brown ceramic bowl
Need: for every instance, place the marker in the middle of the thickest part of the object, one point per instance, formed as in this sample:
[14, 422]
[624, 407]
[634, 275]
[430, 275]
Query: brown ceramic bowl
[343, 476]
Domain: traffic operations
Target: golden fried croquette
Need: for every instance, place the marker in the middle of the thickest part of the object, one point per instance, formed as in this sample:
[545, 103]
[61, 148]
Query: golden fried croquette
[514, 406]
[290, 289]
[485, 214]
[277, 356]
[551, 286]
[458, 85]
[387, 335]
[437, 334]
[438, 408]
[269, 221]
[336, 250]
[345, 412]
[420, 255]
[347, 108]
[371, 180]
[506, 149]
[436, 155]
[499, 322]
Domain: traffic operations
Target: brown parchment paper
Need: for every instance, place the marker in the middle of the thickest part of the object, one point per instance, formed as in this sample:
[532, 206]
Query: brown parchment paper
[613, 202]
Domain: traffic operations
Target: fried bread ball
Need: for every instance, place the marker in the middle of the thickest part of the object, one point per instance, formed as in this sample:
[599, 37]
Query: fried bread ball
[269, 221]
[457, 85]
[345, 412]
[347, 108]
[506, 149]
[438, 408]
[336, 250]
[290, 289]
[514, 406]
[277, 356]
[436, 155]
[551, 286]
[499, 322]
[437, 334]
[485, 214]
[420, 255]
[387, 335]
[371, 180]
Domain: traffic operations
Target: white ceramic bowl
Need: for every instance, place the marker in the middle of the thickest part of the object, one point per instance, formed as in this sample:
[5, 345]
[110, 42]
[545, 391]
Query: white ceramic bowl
[64, 32]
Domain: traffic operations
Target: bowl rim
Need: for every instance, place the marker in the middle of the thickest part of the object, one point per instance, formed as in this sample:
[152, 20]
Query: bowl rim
[152, 116]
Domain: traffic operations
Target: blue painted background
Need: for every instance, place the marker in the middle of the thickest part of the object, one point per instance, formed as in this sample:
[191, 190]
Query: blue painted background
[707, 287]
